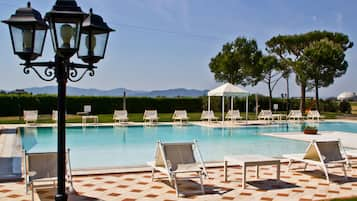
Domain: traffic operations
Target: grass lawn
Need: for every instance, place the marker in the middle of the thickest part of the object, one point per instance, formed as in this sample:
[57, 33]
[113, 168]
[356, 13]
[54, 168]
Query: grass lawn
[135, 117]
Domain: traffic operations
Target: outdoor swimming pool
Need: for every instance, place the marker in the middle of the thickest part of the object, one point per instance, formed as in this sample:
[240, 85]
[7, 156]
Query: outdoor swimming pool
[93, 147]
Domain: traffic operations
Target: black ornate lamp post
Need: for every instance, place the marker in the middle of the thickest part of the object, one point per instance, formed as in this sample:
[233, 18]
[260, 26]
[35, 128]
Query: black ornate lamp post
[71, 31]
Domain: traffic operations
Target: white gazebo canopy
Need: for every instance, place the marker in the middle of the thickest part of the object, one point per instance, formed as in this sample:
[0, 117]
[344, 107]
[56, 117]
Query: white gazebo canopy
[228, 90]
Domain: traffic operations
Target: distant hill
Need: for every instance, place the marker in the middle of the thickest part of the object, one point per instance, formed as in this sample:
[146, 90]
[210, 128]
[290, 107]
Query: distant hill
[75, 91]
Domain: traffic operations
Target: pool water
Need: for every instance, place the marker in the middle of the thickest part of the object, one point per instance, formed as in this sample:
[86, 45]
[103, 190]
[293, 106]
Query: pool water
[96, 147]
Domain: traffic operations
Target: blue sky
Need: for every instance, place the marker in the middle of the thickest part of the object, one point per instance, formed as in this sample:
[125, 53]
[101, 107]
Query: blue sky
[161, 44]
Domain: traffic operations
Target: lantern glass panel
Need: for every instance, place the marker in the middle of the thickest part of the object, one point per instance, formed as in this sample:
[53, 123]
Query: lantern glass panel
[98, 44]
[39, 41]
[101, 40]
[22, 39]
[67, 35]
[83, 50]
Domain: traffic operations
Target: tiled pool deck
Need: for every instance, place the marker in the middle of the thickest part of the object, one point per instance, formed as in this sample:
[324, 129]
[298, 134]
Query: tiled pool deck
[294, 185]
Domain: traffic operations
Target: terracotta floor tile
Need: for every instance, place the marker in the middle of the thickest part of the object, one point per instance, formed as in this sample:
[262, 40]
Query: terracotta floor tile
[227, 198]
[298, 190]
[4, 190]
[128, 199]
[136, 190]
[14, 196]
[266, 198]
[245, 194]
[283, 194]
[100, 189]
[151, 195]
[320, 195]
[294, 186]
[114, 194]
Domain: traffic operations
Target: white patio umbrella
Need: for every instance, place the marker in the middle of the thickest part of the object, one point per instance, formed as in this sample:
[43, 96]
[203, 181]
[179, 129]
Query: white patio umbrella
[228, 90]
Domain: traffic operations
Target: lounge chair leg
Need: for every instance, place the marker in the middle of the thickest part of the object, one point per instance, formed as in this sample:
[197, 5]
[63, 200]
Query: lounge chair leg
[290, 164]
[201, 180]
[176, 186]
[171, 177]
[153, 174]
[344, 171]
[305, 166]
[326, 173]
[32, 194]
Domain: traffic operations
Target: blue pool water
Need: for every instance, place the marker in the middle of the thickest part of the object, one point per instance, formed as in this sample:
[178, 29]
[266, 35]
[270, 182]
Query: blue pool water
[93, 147]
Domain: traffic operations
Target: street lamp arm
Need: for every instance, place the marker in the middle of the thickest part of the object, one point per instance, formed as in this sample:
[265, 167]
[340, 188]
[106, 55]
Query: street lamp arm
[74, 76]
[48, 74]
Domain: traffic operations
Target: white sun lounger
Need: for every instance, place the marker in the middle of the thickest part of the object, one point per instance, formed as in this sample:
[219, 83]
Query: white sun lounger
[173, 159]
[120, 116]
[313, 114]
[30, 116]
[322, 153]
[151, 116]
[180, 115]
[208, 115]
[55, 115]
[233, 115]
[41, 170]
[87, 109]
[265, 115]
[295, 115]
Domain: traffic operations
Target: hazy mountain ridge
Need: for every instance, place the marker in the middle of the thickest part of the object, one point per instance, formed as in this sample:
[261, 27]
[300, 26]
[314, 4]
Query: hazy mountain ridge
[75, 91]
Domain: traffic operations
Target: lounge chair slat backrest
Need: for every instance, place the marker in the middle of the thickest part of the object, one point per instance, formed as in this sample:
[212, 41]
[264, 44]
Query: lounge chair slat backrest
[207, 115]
[295, 113]
[120, 113]
[54, 115]
[87, 108]
[204, 114]
[265, 114]
[329, 151]
[179, 154]
[174, 154]
[44, 165]
[232, 114]
[150, 114]
[211, 114]
[313, 114]
[180, 114]
[30, 115]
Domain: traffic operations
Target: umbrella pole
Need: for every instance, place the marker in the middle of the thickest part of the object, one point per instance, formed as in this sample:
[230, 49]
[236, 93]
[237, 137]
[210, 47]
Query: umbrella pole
[246, 110]
[223, 109]
[209, 103]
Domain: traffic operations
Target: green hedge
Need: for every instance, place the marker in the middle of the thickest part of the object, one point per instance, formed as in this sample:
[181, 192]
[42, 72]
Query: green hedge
[13, 105]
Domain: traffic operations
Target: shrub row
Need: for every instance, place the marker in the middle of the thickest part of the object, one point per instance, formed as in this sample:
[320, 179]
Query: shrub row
[13, 105]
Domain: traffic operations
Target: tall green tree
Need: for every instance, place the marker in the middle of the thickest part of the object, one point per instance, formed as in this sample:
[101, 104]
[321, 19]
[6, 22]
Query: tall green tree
[237, 62]
[324, 60]
[290, 48]
[271, 73]
[281, 46]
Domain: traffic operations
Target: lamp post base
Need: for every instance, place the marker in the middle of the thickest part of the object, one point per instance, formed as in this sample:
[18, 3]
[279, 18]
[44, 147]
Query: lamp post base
[61, 197]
